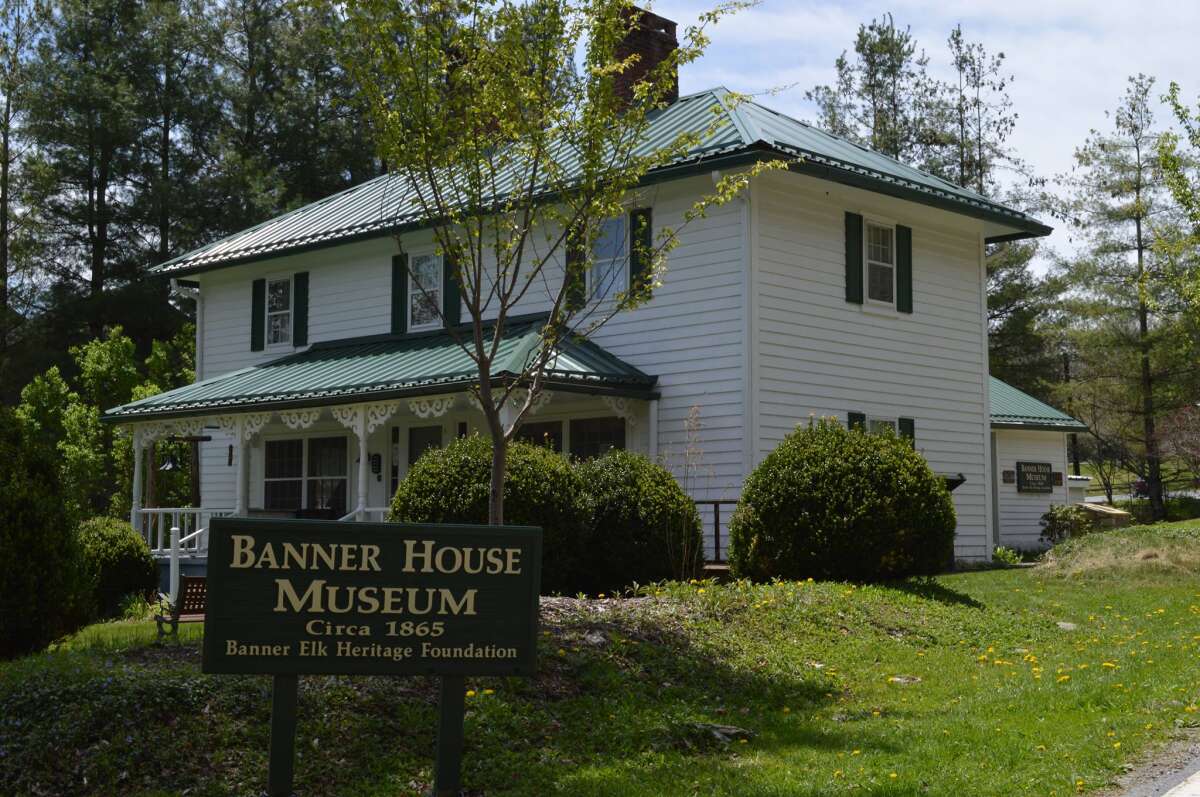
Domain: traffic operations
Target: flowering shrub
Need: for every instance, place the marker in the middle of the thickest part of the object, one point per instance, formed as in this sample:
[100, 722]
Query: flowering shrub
[831, 502]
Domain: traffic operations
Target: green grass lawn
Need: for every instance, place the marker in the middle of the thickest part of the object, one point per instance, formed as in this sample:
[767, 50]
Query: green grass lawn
[961, 686]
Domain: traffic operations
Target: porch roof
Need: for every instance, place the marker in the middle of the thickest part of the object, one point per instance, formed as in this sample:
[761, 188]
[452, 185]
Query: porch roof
[388, 366]
[1014, 409]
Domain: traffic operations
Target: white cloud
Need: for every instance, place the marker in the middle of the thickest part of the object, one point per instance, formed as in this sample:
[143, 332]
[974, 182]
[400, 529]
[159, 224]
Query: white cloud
[1070, 58]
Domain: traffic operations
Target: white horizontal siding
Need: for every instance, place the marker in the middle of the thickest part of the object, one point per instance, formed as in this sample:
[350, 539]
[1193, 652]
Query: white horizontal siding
[690, 334]
[818, 355]
[1020, 513]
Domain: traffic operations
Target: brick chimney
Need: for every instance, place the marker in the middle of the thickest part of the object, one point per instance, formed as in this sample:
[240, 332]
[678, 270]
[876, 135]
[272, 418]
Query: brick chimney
[653, 39]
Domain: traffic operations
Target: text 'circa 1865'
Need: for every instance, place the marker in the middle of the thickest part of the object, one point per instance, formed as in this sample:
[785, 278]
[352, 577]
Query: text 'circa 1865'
[316, 597]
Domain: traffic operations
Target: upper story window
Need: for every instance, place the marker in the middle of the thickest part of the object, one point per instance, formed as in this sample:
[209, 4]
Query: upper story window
[279, 311]
[881, 263]
[424, 291]
[610, 259]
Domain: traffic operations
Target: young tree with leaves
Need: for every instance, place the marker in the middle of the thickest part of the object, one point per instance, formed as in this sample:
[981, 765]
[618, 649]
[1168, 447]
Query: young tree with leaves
[518, 157]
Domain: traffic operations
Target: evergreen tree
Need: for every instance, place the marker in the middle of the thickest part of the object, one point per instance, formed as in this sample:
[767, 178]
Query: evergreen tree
[1127, 317]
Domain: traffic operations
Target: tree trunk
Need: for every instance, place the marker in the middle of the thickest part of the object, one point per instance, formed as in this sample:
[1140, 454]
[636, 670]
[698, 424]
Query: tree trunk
[1153, 458]
[5, 160]
[496, 494]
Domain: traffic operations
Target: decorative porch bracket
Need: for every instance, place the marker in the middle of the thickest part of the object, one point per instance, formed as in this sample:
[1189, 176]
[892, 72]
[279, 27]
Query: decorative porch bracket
[622, 407]
[431, 406]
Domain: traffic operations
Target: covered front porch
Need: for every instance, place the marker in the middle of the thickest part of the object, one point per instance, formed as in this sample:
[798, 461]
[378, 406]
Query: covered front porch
[328, 433]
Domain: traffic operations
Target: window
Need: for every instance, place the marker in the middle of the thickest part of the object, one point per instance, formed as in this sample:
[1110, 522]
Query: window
[591, 437]
[279, 312]
[543, 433]
[881, 263]
[878, 425]
[607, 276]
[306, 473]
[424, 291]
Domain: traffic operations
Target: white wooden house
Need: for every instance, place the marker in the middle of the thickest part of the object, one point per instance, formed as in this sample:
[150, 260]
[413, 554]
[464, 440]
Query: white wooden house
[851, 285]
[1029, 460]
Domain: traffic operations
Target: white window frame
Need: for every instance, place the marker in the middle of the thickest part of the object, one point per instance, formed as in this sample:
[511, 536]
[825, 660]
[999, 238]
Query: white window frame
[304, 477]
[621, 280]
[414, 292]
[291, 313]
[868, 223]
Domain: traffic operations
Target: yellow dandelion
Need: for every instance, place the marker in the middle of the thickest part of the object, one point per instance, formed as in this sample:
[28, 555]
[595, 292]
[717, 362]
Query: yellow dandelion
[1063, 678]
[470, 693]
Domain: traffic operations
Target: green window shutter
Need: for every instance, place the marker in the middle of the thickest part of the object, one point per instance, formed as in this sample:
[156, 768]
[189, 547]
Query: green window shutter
[641, 244]
[904, 293]
[854, 258]
[856, 420]
[576, 271]
[300, 309]
[908, 430]
[451, 295]
[399, 294]
[258, 314]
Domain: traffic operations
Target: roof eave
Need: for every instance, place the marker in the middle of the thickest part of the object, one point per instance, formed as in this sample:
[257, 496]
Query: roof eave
[755, 151]
[1035, 426]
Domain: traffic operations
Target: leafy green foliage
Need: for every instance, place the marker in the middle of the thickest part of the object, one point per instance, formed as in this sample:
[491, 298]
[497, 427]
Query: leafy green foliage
[1064, 521]
[42, 585]
[1006, 556]
[451, 485]
[830, 502]
[643, 526]
[118, 562]
[911, 678]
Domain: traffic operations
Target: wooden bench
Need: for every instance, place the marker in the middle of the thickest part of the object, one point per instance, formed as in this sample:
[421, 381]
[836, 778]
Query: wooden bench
[189, 608]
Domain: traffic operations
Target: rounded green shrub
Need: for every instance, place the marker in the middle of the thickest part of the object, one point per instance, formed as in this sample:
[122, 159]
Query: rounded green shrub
[642, 526]
[118, 561]
[836, 503]
[451, 485]
[43, 591]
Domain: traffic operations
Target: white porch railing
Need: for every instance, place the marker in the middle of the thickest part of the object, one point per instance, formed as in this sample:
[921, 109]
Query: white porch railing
[370, 514]
[155, 526]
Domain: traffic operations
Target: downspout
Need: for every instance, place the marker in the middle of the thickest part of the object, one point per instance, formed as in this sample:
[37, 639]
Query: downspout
[991, 507]
[749, 330]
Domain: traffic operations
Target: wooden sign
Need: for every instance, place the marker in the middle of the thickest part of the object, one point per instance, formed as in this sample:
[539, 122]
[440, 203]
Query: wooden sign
[1034, 477]
[306, 597]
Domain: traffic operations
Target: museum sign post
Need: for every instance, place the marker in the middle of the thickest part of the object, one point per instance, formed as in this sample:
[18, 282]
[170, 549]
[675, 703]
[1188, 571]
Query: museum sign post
[302, 597]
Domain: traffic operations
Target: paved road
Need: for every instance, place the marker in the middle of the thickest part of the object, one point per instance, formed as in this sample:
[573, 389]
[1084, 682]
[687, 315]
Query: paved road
[1184, 782]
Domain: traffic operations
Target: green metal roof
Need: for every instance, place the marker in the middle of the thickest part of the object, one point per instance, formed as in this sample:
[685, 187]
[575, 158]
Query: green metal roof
[744, 131]
[385, 367]
[1013, 409]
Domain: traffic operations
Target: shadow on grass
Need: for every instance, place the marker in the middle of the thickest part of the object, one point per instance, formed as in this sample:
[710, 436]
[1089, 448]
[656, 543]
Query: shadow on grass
[934, 590]
[617, 689]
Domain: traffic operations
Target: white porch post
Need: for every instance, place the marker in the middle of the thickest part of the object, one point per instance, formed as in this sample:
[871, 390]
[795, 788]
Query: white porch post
[363, 420]
[243, 450]
[136, 508]
[363, 466]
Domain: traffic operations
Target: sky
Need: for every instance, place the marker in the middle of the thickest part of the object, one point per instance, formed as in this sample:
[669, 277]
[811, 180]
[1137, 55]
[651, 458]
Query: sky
[1069, 58]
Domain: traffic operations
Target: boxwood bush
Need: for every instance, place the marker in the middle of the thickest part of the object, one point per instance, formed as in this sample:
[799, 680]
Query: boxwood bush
[118, 562]
[42, 586]
[642, 526]
[451, 485]
[835, 503]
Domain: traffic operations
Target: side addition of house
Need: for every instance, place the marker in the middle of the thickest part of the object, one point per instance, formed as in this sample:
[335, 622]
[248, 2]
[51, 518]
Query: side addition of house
[851, 286]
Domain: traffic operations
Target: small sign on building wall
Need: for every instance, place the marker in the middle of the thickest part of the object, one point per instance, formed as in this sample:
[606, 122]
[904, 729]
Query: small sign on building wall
[1035, 477]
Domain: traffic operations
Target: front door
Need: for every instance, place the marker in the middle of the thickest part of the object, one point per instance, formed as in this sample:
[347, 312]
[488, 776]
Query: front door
[419, 439]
